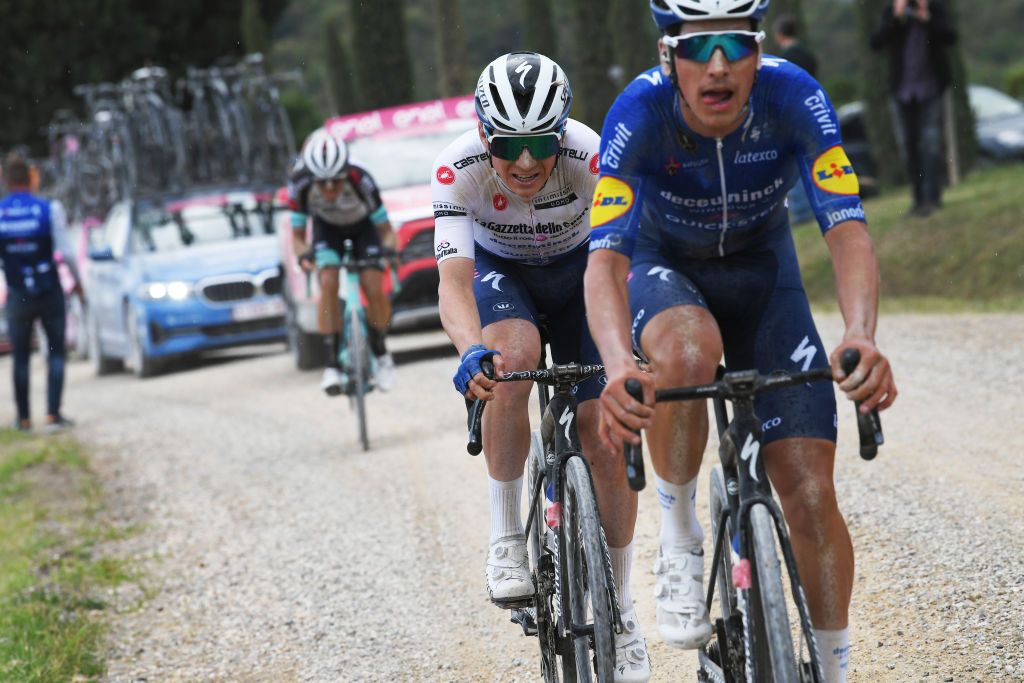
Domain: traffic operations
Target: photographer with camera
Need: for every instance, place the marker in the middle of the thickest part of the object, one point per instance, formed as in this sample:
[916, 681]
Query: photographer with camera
[916, 33]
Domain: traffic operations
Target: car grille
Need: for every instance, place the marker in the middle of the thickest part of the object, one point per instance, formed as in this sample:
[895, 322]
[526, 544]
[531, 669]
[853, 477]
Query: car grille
[420, 246]
[273, 285]
[235, 290]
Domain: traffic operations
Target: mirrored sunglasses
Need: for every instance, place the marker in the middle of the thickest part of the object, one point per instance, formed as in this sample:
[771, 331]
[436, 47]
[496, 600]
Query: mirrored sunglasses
[699, 47]
[510, 147]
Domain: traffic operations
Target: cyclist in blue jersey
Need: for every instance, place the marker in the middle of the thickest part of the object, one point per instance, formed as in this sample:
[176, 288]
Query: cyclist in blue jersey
[30, 229]
[692, 258]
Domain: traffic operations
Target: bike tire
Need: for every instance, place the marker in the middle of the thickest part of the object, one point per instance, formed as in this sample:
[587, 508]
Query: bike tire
[356, 342]
[589, 597]
[545, 614]
[773, 640]
[730, 653]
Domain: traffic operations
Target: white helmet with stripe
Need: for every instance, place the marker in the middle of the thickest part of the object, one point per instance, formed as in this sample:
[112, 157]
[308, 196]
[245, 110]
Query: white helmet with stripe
[667, 13]
[325, 155]
[523, 93]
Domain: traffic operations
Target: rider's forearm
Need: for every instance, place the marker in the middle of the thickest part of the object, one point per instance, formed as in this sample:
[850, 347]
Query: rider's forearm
[298, 243]
[386, 234]
[459, 315]
[607, 300]
[856, 269]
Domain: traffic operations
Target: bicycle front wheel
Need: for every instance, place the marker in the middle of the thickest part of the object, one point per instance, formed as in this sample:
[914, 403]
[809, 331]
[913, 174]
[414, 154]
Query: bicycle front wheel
[589, 618]
[542, 557]
[772, 640]
[358, 372]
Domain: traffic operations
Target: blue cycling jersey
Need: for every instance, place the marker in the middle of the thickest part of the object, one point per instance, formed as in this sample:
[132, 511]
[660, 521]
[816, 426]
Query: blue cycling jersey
[663, 186]
[26, 243]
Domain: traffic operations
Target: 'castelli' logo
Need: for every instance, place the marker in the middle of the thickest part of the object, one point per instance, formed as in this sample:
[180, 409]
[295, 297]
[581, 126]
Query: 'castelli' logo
[445, 175]
[595, 164]
[500, 202]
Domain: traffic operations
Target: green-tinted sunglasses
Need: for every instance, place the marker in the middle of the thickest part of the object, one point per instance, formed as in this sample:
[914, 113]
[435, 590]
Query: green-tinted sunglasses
[698, 47]
[510, 147]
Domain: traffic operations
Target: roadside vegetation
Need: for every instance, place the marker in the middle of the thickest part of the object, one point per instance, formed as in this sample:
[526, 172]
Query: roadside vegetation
[54, 579]
[969, 256]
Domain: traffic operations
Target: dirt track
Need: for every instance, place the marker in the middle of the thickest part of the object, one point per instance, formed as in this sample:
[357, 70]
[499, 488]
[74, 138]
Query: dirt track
[276, 551]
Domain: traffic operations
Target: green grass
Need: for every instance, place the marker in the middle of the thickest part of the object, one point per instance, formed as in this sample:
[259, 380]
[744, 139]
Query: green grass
[968, 256]
[53, 579]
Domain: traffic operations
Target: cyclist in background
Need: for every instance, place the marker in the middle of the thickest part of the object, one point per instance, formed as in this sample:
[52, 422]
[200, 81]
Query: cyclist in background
[692, 256]
[344, 203]
[31, 228]
[512, 215]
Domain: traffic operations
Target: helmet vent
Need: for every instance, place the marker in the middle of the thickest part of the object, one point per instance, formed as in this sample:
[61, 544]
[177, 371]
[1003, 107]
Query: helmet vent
[496, 99]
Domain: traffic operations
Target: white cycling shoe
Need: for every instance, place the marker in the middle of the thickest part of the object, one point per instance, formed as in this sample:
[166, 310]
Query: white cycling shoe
[385, 372]
[682, 615]
[632, 663]
[333, 381]
[509, 582]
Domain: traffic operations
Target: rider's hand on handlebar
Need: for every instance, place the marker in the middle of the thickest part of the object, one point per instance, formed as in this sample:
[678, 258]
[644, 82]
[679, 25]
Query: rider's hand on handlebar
[307, 262]
[872, 381]
[621, 414]
[470, 380]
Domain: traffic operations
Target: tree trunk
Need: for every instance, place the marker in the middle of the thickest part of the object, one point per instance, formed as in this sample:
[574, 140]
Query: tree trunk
[340, 76]
[255, 36]
[635, 40]
[592, 86]
[966, 133]
[380, 52]
[877, 113]
[539, 29]
[451, 47]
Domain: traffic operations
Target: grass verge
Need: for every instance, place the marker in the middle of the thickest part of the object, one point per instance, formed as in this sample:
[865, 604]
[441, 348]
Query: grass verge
[967, 257]
[54, 581]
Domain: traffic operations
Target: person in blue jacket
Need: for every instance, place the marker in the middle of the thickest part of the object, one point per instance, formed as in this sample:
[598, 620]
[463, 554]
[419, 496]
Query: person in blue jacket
[30, 229]
[691, 257]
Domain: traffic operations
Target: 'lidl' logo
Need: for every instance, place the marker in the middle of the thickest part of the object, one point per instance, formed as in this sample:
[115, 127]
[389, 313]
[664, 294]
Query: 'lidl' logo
[834, 174]
[612, 198]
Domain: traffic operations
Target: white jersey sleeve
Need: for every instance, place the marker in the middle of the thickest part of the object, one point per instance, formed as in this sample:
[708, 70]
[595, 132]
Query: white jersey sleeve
[453, 223]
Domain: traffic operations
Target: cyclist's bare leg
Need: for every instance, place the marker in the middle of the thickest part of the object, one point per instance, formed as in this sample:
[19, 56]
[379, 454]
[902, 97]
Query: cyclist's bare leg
[378, 308]
[506, 422]
[801, 472]
[684, 346]
[616, 502]
[329, 313]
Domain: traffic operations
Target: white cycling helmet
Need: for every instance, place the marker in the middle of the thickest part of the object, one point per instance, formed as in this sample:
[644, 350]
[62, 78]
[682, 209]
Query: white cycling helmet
[325, 155]
[523, 93]
[668, 13]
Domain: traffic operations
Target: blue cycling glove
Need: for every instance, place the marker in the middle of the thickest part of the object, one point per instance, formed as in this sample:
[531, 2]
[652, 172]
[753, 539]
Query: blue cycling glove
[470, 365]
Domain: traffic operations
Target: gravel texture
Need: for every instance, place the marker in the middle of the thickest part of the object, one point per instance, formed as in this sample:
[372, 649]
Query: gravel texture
[274, 550]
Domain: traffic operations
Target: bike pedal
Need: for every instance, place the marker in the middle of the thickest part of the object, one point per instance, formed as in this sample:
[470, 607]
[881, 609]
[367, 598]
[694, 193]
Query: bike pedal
[334, 390]
[525, 617]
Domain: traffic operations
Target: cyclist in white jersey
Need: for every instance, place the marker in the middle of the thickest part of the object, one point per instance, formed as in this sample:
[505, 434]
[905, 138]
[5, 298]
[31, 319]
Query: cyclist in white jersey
[512, 214]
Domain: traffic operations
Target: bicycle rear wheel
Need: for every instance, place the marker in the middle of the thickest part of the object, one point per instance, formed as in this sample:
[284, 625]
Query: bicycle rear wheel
[772, 642]
[589, 597]
[358, 371]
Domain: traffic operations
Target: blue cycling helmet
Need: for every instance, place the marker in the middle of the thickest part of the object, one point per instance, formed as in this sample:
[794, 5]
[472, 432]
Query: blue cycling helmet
[668, 13]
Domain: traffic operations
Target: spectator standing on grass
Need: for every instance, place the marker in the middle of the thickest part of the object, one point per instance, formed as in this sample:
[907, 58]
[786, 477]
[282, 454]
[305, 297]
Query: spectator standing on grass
[30, 229]
[916, 33]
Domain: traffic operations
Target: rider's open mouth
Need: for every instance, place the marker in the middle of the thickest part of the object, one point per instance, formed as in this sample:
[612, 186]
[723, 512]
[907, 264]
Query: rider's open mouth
[717, 98]
[525, 179]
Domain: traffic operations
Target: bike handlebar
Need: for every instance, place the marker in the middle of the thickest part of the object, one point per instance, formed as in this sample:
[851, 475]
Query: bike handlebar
[869, 425]
[634, 452]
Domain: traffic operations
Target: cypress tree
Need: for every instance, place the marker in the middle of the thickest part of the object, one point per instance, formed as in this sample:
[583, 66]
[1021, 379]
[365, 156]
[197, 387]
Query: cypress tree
[539, 28]
[380, 52]
[635, 40]
[592, 84]
[255, 36]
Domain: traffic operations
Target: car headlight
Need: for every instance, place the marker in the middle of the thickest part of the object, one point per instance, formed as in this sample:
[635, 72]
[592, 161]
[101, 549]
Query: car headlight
[158, 291]
[1010, 138]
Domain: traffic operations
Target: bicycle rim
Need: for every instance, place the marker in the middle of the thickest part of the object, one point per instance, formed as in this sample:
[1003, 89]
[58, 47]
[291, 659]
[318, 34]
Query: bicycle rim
[725, 651]
[540, 556]
[589, 595]
[773, 641]
[357, 357]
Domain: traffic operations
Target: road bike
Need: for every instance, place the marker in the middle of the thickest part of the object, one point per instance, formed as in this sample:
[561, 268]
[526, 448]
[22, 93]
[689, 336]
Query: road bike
[574, 610]
[752, 640]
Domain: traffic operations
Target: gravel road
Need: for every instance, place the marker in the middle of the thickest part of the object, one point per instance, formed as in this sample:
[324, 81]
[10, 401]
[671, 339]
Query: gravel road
[274, 550]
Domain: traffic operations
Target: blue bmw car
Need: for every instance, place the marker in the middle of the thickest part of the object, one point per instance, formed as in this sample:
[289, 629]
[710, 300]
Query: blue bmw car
[173, 278]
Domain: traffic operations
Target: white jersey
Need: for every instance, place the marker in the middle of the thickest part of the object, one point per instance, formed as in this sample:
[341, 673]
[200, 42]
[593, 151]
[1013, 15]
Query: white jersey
[473, 206]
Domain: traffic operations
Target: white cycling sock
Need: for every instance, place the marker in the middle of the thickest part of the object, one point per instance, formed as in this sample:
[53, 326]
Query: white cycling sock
[622, 562]
[505, 518]
[680, 529]
[834, 647]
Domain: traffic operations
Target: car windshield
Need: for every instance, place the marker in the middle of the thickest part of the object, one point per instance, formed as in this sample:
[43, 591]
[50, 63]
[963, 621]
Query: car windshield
[989, 103]
[167, 229]
[402, 160]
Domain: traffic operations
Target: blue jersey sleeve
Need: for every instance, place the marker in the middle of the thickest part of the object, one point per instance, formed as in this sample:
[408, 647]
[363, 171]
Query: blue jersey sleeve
[616, 208]
[827, 174]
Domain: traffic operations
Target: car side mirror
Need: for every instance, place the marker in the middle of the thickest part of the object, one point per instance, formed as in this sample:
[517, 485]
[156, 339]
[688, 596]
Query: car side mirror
[101, 254]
